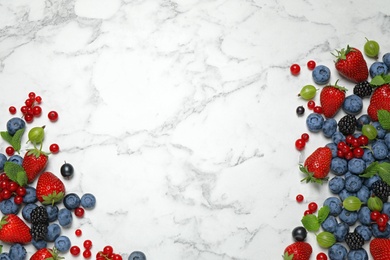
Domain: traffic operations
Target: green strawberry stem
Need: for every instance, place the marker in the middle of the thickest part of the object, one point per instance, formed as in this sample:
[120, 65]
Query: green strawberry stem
[310, 176]
[342, 54]
[339, 87]
[286, 256]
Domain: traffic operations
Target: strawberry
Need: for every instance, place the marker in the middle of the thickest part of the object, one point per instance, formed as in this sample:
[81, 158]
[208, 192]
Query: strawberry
[317, 165]
[298, 251]
[380, 248]
[14, 230]
[350, 63]
[331, 99]
[34, 162]
[380, 99]
[46, 253]
[50, 189]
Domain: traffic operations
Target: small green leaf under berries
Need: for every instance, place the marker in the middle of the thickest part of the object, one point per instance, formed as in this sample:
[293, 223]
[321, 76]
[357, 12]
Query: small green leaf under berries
[15, 140]
[323, 213]
[370, 171]
[384, 118]
[310, 222]
[15, 172]
[382, 169]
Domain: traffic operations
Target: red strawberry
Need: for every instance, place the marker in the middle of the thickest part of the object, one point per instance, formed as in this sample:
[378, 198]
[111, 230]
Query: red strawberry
[350, 63]
[50, 189]
[380, 248]
[380, 99]
[298, 251]
[331, 99]
[34, 162]
[317, 165]
[46, 253]
[14, 230]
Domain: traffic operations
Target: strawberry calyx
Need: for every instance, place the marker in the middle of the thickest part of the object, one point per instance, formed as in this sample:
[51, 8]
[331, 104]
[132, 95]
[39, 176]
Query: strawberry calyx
[339, 87]
[342, 54]
[288, 256]
[55, 254]
[310, 176]
[36, 152]
[3, 221]
[52, 198]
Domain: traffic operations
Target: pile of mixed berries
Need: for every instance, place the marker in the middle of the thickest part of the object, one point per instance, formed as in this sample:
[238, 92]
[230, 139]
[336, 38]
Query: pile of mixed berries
[34, 203]
[354, 163]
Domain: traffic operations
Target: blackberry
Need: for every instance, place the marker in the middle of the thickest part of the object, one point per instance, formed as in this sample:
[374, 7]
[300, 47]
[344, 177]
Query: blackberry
[347, 124]
[363, 89]
[354, 240]
[381, 189]
[38, 231]
[39, 216]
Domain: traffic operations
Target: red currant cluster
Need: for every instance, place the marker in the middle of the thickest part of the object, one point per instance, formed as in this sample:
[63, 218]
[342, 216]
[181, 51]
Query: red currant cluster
[380, 219]
[32, 108]
[312, 106]
[353, 147]
[9, 188]
[300, 143]
[311, 208]
[108, 254]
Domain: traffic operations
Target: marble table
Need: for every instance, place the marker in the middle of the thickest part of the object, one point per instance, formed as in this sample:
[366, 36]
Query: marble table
[179, 115]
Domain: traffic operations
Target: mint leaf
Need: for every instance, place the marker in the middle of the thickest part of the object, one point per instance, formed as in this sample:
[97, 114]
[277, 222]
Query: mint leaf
[310, 222]
[384, 118]
[371, 170]
[17, 139]
[14, 172]
[6, 136]
[378, 80]
[21, 178]
[386, 78]
[323, 213]
[383, 167]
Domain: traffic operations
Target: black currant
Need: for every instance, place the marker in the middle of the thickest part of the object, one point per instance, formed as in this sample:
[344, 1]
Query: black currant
[300, 110]
[67, 170]
[299, 233]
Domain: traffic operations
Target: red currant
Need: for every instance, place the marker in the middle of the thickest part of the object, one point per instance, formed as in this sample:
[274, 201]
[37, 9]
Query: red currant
[311, 104]
[382, 228]
[21, 191]
[38, 99]
[311, 64]
[87, 244]
[87, 253]
[53, 116]
[358, 152]
[9, 151]
[321, 256]
[349, 139]
[295, 69]
[4, 184]
[78, 232]
[31, 95]
[299, 198]
[18, 199]
[116, 257]
[12, 110]
[300, 144]
[29, 102]
[79, 212]
[381, 221]
[75, 250]
[363, 140]
[305, 137]
[349, 155]
[318, 109]
[385, 217]
[12, 186]
[375, 215]
[312, 207]
[54, 148]
[307, 212]
[341, 145]
[108, 250]
[340, 154]
[37, 110]
[6, 194]
[29, 118]
[23, 109]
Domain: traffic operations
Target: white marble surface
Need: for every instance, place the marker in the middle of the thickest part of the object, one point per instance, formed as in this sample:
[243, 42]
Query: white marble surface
[179, 115]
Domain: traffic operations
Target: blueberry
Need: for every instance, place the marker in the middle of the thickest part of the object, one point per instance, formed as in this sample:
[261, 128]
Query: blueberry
[356, 166]
[336, 184]
[381, 234]
[3, 159]
[65, 217]
[26, 211]
[353, 183]
[88, 201]
[31, 195]
[353, 104]
[386, 59]
[53, 232]
[368, 182]
[15, 124]
[378, 68]
[338, 137]
[39, 244]
[368, 157]
[379, 150]
[17, 252]
[4, 256]
[321, 74]
[9, 206]
[386, 208]
[333, 148]
[334, 204]
[337, 252]
[362, 120]
[52, 212]
[72, 201]
[62, 243]
[339, 166]
[329, 127]
[364, 215]
[364, 231]
[363, 194]
[360, 254]
[137, 255]
[345, 194]
[16, 159]
[348, 217]
[314, 122]
[387, 139]
[380, 131]
[329, 224]
[342, 229]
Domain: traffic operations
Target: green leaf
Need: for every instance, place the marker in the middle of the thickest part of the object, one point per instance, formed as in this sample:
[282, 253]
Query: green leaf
[371, 170]
[378, 80]
[15, 172]
[323, 213]
[6, 136]
[21, 178]
[310, 222]
[384, 118]
[17, 139]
